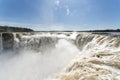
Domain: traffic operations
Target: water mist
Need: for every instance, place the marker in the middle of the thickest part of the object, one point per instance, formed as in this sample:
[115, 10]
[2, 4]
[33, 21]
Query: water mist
[32, 65]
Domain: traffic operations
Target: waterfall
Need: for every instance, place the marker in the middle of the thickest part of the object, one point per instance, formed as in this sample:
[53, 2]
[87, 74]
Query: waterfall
[60, 56]
[0, 43]
[99, 59]
[37, 56]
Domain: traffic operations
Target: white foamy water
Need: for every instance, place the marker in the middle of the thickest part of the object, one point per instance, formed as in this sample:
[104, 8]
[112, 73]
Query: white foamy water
[99, 59]
[32, 65]
[62, 56]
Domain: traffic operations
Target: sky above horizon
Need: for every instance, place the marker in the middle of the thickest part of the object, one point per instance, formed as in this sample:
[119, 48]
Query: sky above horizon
[61, 14]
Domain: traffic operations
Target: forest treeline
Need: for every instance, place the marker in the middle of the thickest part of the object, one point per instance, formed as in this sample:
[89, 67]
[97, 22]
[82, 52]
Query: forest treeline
[14, 29]
[20, 29]
[107, 30]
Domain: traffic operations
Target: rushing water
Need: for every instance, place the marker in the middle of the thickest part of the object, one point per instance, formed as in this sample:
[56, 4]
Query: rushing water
[34, 60]
[99, 59]
[62, 56]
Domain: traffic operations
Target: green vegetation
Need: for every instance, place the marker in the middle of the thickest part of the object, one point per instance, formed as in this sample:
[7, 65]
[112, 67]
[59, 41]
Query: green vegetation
[107, 30]
[14, 29]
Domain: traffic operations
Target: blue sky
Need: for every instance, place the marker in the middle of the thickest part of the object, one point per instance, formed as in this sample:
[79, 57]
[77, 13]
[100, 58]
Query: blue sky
[61, 14]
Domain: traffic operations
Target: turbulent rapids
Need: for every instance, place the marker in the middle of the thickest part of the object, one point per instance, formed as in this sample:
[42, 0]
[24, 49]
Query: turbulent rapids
[59, 56]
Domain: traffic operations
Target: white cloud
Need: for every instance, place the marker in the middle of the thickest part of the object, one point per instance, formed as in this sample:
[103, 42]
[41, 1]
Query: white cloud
[57, 3]
[68, 11]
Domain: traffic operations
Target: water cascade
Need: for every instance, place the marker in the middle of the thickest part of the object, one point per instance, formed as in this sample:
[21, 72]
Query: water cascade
[60, 56]
[99, 59]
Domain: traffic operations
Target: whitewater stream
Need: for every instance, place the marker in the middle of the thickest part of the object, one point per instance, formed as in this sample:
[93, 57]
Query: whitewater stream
[60, 56]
